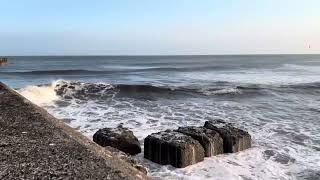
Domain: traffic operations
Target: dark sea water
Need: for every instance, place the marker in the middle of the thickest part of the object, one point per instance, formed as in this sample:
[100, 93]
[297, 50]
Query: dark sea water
[274, 97]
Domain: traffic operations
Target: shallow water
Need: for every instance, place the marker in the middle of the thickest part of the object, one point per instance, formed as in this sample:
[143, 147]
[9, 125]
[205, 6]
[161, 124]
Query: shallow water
[275, 98]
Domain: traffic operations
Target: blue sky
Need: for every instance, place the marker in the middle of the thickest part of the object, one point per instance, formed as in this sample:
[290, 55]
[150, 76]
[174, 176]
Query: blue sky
[131, 27]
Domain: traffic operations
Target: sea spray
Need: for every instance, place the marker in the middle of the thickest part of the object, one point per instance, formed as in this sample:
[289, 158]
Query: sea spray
[40, 95]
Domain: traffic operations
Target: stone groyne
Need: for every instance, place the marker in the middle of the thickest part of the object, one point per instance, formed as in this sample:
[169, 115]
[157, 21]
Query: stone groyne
[35, 145]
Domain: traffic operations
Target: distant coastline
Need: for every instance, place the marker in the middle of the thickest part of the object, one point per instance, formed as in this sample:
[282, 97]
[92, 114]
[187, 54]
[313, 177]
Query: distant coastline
[163, 55]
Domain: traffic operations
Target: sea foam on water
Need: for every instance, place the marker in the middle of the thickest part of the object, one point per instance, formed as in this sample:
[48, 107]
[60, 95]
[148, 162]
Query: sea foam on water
[40, 95]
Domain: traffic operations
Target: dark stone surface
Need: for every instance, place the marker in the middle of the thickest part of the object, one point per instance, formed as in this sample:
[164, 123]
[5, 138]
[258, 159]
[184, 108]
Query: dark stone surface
[234, 139]
[35, 145]
[120, 138]
[174, 148]
[210, 140]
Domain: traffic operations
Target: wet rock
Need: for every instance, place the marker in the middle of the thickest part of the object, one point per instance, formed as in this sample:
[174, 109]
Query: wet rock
[120, 138]
[210, 140]
[234, 139]
[174, 148]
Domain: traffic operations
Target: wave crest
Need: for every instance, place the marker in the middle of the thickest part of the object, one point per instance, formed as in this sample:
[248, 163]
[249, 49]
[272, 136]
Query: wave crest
[80, 90]
[40, 95]
[45, 94]
[90, 90]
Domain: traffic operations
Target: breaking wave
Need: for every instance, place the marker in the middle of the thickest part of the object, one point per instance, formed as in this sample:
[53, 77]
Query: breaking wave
[44, 94]
[91, 90]
[40, 95]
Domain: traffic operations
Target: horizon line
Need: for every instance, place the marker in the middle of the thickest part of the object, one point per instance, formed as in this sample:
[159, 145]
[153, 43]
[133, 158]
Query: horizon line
[124, 55]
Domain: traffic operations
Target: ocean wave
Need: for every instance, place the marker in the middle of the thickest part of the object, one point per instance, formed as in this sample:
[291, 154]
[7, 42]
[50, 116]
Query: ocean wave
[79, 90]
[86, 72]
[295, 67]
[202, 69]
[82, 90]
[110, 70]
[40, 95]
[86, 91]
[187, 68]
[313, 85]
[224, 91]
[57, 72]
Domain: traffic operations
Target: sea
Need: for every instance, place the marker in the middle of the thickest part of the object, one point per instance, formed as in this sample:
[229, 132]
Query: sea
[276, 98]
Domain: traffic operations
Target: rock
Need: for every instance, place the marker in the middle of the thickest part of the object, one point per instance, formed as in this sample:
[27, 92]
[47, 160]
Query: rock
[120, 138]
[129, 159]
[234, 139]
[210, 140]
[174, 148]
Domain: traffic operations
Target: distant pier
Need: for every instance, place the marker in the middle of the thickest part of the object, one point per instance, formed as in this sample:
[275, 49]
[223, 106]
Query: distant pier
[3, 61]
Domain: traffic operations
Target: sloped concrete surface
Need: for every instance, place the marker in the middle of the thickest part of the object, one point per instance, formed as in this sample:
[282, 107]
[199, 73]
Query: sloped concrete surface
[35, 145]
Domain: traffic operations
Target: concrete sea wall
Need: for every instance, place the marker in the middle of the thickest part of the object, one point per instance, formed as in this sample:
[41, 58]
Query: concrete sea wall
[35, 145]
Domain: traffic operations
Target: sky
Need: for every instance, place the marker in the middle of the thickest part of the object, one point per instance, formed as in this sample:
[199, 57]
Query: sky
[159, 27]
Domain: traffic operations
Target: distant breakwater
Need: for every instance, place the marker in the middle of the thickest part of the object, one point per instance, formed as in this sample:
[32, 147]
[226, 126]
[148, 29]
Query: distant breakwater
[3, 61]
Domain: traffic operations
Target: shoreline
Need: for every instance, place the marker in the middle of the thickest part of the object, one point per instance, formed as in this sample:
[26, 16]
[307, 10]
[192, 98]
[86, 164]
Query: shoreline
[34, 144]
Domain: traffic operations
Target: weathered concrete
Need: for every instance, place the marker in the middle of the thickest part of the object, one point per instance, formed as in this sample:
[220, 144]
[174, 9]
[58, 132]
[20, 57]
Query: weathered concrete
[35, 145]
[234, 139]
[174, 148]
[210, 140]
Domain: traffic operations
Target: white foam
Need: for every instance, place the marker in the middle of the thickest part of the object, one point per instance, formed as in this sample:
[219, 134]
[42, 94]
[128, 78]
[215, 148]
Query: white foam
[229, 90]
[264, 77]
[39, 95]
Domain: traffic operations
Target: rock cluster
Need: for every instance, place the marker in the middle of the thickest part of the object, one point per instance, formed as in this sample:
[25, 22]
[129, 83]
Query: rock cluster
[188, 145]
[181, 147]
